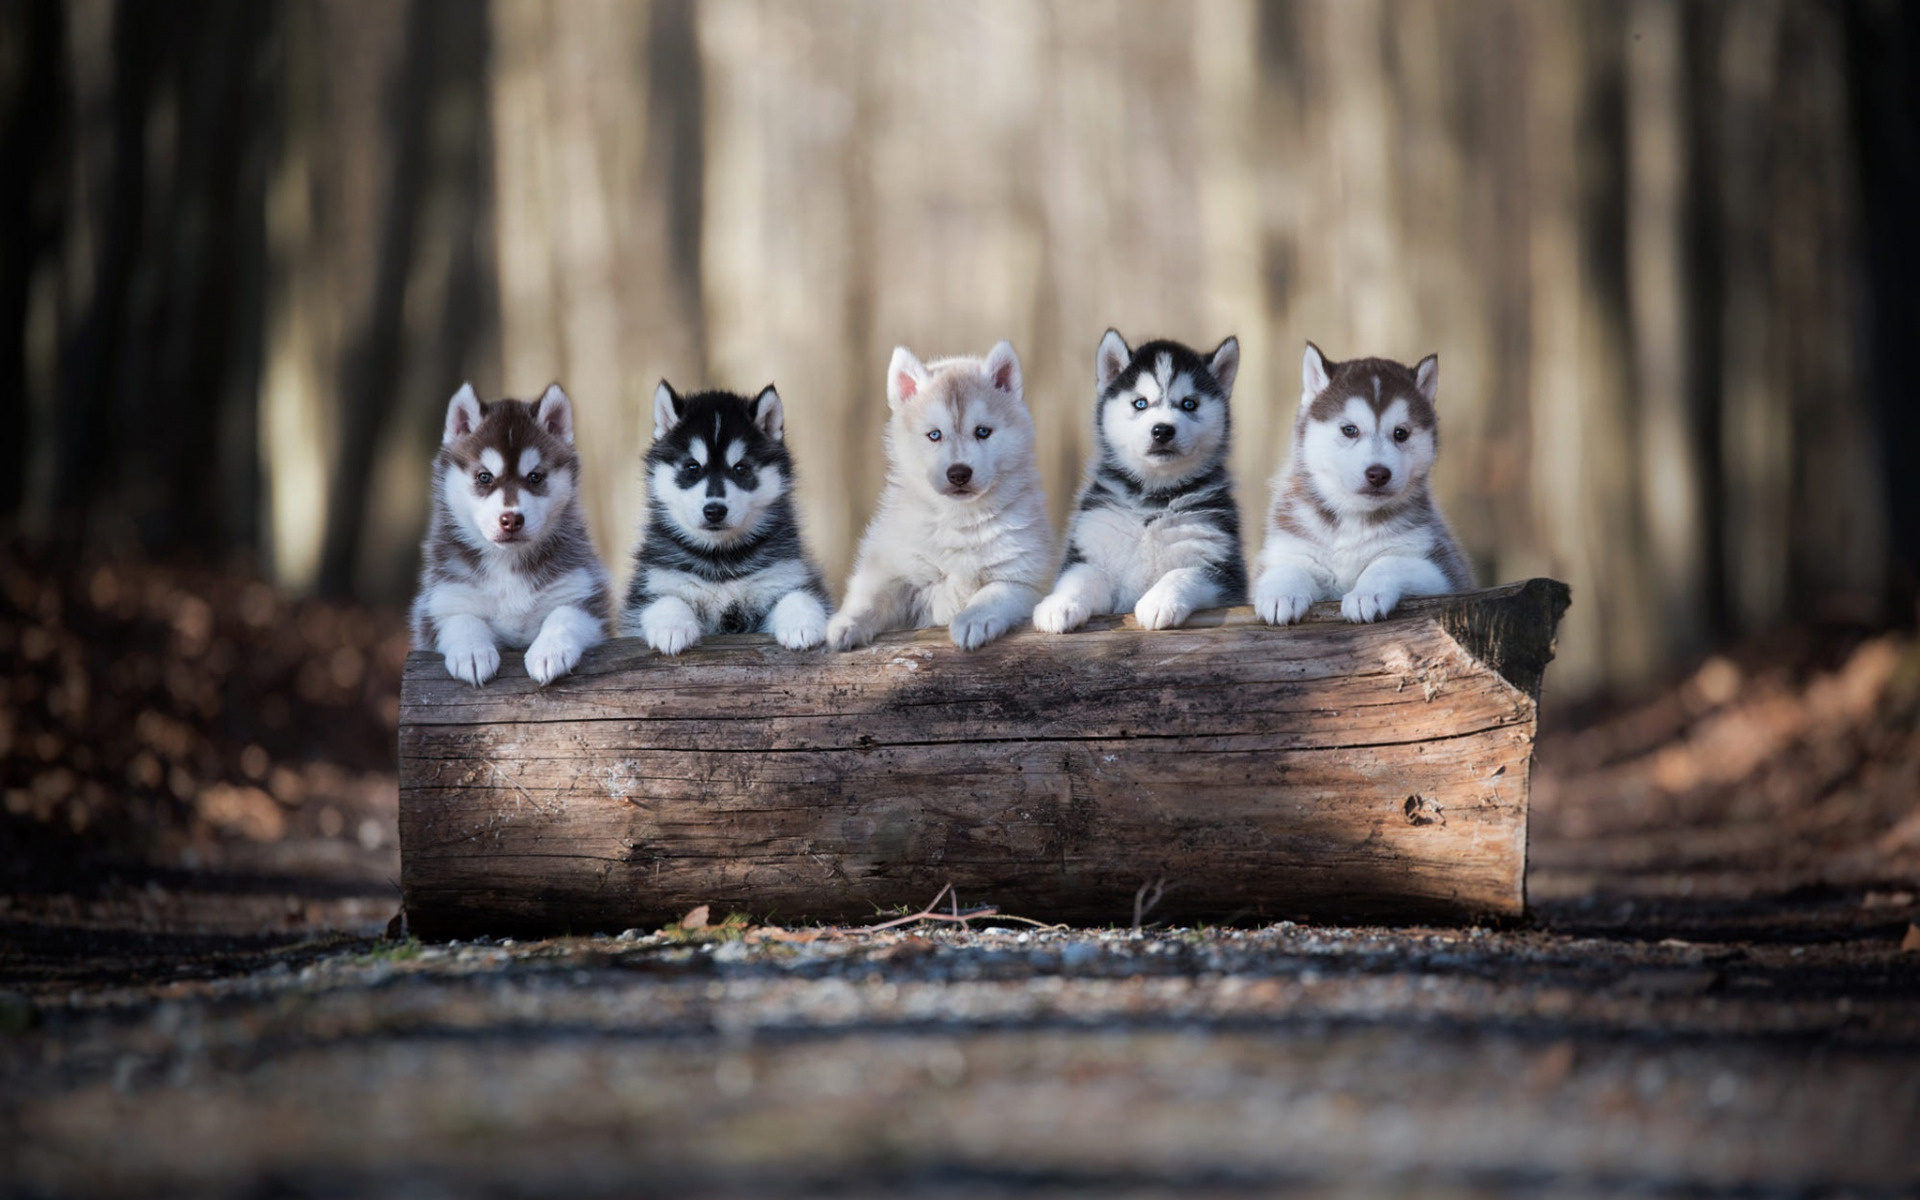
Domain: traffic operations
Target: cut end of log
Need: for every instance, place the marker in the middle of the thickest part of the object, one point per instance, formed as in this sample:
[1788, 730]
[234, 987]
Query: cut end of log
[1323, 771]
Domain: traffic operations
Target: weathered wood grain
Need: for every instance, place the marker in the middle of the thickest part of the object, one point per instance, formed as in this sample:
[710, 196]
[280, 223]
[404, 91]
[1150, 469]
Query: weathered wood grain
[1328, 770]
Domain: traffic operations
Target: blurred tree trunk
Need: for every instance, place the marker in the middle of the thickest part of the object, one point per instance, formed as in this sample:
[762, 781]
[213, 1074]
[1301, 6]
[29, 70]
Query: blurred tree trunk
[598, 179]
[206, 241]
[1883, 71]
[1671, 460]
[326, 200]
[371, 374]
[161, 244]
[33, 118]
[113, 47]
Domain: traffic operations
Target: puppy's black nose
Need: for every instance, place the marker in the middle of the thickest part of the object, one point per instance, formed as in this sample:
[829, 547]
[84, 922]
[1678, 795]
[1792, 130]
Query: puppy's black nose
[1378, 475]
[512, 521]
[958, 474]
[1162, 434]
[714, 513]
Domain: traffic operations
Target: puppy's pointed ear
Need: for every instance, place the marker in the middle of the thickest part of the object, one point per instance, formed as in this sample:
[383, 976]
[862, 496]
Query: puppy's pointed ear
[905, 377]
[1426, 377]
[1315, 374]
[769, 414]
[668, 408]
[555, 413]
[463, 414]
[1110, 359]
[1003, 368]
[1224, 364]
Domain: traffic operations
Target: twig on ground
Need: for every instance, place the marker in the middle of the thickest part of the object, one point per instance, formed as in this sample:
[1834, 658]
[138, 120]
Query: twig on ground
[954, 916]
[1144, 899]
[927, 914]
[1030, 921]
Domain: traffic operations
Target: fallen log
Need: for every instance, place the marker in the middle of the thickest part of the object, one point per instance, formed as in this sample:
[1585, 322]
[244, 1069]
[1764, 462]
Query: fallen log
[1237, 771]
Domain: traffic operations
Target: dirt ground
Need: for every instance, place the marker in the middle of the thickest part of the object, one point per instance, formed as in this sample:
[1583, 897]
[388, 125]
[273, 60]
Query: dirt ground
[1718, 992]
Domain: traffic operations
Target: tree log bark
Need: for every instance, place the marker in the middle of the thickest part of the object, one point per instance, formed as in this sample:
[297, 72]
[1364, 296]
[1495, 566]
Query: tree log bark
[1335, 771]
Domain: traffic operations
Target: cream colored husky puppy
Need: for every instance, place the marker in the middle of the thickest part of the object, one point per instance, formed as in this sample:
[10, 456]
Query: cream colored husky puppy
[961, 538]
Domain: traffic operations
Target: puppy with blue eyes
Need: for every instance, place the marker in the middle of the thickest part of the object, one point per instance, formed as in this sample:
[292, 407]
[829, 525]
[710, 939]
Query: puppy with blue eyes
[1156, 529]
[1353, 515]
[961, 537]
[720, 548]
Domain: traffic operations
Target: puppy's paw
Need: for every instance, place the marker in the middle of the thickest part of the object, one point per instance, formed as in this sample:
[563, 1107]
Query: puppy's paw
[1060, 613]
[1162, 609]
[847, 633]
[1277, 606]
[799, 623]
[671, 633]
[551, 656]
[1364, 604]
[473, 662]
[974, 628]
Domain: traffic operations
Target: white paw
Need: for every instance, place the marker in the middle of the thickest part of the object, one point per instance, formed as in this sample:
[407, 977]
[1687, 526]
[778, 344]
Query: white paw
[1277, 606]
[846, 633]
[1060, 613]
[973, 628]
[475, 662]
[800, 626]
[551, 656]
[671, 634]
[1366, 604]
[1161, 610]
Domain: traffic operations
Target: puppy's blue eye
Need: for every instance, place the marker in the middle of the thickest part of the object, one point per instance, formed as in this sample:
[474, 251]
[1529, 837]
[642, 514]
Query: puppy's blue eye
[743, 468]
[536, 478]
[1140, 403]
[1402, 434]
[933, 435]
[484, 478]
[1189, 404]
[982, 432]
[1351, 431]
[690, 466]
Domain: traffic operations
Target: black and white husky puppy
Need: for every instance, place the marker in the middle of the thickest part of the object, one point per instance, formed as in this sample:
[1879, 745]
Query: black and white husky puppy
[1353, 515]
[507, 560]
[720, 548]
[1156, 529]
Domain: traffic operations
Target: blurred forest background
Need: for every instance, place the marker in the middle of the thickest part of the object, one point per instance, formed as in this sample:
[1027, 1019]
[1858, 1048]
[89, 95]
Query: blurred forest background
[1664, 250]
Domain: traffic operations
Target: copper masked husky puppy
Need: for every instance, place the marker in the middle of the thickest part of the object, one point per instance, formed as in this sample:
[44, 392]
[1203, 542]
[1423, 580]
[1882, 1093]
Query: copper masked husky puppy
[1353, 517]
[507, 560]
[961, 537]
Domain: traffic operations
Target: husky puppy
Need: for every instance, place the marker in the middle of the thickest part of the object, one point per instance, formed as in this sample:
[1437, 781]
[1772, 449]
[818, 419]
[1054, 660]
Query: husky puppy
[1156, 528]
[961, 537]
[507, 560]
[1353, 516]
[719, 545]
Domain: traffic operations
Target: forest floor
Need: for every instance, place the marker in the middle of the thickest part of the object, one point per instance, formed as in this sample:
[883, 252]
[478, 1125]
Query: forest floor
[1718, 992]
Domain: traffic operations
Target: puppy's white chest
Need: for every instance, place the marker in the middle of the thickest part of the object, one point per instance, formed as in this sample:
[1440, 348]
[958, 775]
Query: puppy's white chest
[953, 558]
[510, 605]
[712, 600]
[1135, 547]
[1349, 556]
[515, 607]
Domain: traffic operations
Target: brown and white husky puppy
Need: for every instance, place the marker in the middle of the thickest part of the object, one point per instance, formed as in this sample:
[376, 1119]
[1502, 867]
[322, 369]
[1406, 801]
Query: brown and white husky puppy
[961, 538]
[507, 560]
[1353, 515]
